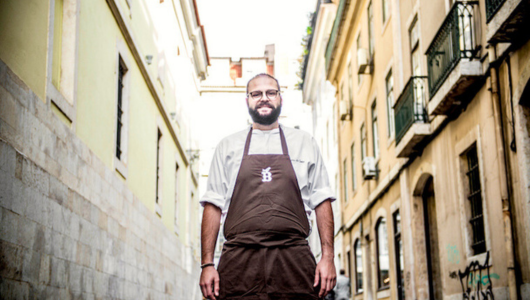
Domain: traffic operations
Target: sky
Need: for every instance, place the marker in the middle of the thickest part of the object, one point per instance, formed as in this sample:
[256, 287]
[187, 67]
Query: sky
[236, 28]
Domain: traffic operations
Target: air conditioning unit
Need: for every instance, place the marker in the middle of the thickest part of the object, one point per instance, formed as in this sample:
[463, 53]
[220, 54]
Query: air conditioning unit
[344, 113]
[363, 60]
[369, 168]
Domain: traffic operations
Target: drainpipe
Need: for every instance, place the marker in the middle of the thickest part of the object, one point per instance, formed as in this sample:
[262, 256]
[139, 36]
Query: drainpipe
[503, 179]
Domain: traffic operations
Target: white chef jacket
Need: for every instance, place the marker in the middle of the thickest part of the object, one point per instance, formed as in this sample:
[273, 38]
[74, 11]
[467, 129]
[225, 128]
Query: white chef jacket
[305, 157]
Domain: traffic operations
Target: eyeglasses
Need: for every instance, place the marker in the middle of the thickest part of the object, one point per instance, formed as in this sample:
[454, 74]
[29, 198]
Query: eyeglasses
[257, 95]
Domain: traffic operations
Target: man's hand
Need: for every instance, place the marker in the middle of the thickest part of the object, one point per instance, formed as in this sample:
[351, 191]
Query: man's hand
[326, 276]
[210, 283]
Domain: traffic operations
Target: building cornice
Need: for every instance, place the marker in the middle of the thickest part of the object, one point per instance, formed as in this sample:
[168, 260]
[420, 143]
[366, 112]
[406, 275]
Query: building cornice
[148, 77]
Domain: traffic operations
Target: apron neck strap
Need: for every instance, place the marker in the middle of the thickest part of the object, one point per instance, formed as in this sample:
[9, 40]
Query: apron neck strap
[282, 139]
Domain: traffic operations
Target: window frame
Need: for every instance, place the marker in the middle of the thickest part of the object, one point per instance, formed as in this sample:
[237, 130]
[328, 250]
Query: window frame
[371, 38]
[385, 10]
[122, 62]
[375, 130]
[158, 174]
[364, 148]
[357, 263]
[473, 192]
[399, 259]
[345, 179]
[380, 284]
[389, 103]
[177, 194]
[353, 173]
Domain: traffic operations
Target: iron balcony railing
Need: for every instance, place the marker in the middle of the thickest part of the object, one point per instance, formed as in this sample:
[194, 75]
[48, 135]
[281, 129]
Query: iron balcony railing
[492, 6]
[410, 106]
[334, 33]
[455, 39]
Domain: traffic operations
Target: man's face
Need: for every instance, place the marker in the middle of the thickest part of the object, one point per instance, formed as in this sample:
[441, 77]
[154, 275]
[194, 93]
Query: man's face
[264, 111]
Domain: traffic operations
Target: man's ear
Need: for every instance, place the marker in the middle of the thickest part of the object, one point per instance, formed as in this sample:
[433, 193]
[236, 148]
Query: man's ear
[246, 100]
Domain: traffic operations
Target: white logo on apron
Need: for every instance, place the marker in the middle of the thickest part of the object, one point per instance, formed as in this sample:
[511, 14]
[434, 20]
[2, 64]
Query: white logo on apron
[267, 175]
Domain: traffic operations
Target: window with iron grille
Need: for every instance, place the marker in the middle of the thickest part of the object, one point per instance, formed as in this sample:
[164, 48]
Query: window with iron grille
[158, 173]
[119, 126]
[476, 214]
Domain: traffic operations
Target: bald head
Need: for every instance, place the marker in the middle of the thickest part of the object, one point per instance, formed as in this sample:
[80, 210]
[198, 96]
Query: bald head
[263, 75]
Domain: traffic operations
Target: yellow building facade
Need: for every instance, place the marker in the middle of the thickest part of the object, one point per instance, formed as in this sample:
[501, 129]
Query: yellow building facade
[93, 99]
[432, 123]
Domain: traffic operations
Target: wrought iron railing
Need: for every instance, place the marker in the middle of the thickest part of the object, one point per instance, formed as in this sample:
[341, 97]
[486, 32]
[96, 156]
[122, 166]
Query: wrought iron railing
[410, 106]
[334, 33]
[492, 6]
[455, 39]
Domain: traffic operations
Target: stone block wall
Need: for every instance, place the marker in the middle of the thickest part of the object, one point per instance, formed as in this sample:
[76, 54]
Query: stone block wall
[69, 227]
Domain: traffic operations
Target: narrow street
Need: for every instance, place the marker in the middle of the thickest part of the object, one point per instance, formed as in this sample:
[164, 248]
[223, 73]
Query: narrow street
[112, 113]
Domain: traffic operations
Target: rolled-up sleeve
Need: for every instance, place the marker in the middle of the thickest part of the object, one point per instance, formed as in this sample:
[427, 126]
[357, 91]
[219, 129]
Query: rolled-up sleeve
[318, 180]
[217, 185]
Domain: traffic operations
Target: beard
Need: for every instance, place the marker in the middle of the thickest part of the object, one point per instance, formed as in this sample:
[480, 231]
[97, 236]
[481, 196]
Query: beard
[265, 119]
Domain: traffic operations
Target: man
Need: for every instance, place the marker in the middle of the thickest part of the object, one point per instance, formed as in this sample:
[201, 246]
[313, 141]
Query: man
[264, 180]
[342, 289]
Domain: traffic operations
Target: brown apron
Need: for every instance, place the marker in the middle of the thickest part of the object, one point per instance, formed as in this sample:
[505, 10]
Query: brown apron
[266, 254]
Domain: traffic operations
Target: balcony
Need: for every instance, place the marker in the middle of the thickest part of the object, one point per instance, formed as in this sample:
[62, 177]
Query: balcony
[508, 21]
[452, 59]
[412, 121]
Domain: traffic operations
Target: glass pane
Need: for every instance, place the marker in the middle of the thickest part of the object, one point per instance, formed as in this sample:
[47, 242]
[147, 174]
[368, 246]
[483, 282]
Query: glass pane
[359, 266]
[382, 251]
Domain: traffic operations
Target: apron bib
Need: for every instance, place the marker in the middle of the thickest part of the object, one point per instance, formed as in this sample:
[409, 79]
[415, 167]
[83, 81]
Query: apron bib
[266, 255]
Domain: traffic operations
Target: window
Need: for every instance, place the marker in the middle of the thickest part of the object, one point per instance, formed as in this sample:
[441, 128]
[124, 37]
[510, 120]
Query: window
[383, 266]
[350, 85]
[375, 134]
[386, 11]
[398, 247]
[389, 83]
[363, 142]
[354, 185]
[119, 126]
[63, 68]
[122, 115]
[476, 215]
[371, 41]
[158, 199]
[177, 177]
[415, 55]
[359, 77]
[348, 255]
[345, 179]
[358, 266]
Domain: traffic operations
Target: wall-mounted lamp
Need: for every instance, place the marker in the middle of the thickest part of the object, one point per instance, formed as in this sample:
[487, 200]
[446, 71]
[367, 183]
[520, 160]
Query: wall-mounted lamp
[149, 59]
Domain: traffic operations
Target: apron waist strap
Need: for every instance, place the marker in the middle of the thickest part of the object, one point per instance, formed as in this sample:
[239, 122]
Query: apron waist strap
[266, 239]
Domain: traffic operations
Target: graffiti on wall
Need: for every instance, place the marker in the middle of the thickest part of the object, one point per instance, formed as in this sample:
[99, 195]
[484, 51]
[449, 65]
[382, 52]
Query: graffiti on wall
[476, 280]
